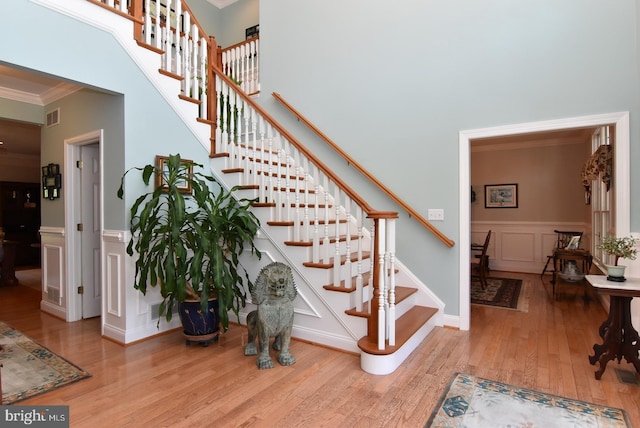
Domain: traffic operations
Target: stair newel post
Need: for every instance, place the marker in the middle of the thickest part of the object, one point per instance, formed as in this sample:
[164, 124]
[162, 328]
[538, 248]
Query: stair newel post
[391, 269]
[211, 94]
[138, 22]
[359, 293]
[376, 325]
[263, 168]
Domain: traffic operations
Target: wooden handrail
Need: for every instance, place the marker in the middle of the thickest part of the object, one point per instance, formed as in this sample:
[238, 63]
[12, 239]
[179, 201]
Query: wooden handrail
[413, 213]
[244, 42]
[355, 197]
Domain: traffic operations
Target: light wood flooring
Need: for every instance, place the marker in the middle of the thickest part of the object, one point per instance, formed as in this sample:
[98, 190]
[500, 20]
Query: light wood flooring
[162, 382]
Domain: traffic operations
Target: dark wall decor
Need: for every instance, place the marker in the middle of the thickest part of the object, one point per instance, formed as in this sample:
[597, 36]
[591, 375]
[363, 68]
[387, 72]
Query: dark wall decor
[501, 196]
[252, 32]
[51, 181]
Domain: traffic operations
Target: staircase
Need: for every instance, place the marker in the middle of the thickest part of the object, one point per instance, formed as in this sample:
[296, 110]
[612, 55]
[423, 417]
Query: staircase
[356, 295]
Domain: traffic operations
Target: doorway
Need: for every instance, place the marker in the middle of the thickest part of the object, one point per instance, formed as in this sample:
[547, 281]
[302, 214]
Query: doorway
[621, 176]
[84, 223]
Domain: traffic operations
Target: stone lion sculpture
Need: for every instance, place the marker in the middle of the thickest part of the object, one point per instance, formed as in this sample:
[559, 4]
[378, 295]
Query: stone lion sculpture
[273, 292]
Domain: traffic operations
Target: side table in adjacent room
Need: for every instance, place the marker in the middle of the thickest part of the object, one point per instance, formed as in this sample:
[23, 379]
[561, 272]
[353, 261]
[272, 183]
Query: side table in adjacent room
[619, 337]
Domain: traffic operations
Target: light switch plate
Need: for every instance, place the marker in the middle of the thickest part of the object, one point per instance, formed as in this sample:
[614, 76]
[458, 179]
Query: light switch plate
[435, 214]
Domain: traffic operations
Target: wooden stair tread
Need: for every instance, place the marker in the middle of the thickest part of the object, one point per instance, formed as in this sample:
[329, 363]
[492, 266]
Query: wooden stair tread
[406, 326]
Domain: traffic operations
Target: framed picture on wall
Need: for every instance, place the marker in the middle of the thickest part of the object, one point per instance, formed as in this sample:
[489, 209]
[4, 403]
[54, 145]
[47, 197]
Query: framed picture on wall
[501, 196]
[161, 173]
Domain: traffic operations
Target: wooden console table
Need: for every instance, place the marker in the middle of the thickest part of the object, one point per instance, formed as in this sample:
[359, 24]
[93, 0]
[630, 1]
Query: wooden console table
[619, 337]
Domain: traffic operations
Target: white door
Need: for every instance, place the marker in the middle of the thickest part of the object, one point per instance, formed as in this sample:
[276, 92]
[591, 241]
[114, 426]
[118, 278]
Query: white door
[90, 219]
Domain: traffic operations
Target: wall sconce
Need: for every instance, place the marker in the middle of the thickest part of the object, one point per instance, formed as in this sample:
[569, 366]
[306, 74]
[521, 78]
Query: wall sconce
[51, 181]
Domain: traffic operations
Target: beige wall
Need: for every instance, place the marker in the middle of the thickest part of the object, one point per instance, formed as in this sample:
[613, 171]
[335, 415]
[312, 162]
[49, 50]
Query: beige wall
[548, 178]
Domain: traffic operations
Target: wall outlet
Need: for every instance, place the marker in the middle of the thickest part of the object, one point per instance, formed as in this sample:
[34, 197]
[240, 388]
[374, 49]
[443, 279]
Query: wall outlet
[435, 214]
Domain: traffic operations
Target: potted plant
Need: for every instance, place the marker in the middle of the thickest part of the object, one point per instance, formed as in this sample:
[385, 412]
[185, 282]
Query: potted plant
[186, 236]
[624, 248]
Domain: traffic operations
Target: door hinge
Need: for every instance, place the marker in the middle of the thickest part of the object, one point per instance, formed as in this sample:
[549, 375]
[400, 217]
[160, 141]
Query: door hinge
[79, 164]
[81, 289]
[79, 227]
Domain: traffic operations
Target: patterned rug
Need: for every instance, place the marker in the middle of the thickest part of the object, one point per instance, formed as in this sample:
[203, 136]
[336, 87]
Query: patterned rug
[500, 292]
[31, 369]
[471, 401]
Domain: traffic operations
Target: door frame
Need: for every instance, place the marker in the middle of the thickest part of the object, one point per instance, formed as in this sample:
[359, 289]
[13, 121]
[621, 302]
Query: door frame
[621, 177]
[73, 243]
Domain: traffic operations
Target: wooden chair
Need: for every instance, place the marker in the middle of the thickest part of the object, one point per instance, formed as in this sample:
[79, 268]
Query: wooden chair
[480, 262]
[562, 240]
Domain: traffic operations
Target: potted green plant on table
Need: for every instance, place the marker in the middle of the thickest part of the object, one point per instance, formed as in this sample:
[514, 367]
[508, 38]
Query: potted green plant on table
[186, 236]
[619, 248]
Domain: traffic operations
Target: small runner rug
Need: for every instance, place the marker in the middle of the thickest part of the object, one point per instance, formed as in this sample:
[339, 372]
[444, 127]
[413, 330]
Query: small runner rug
[471, 401]
[30, 369]
[500, 292]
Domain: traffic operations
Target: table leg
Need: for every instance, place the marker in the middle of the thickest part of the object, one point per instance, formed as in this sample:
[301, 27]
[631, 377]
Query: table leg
[620, 339]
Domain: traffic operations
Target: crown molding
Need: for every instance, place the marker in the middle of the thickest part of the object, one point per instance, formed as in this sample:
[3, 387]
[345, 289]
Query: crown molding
[49, 96]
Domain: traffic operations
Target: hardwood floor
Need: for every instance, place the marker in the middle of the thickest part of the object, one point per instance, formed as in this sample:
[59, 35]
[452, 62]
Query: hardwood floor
[163, 382]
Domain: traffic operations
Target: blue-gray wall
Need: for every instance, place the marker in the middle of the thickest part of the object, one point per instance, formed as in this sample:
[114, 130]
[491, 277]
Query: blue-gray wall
[138, 125]
[394, 83]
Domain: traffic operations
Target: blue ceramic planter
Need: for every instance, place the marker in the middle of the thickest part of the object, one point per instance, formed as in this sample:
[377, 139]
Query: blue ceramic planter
[200, 327]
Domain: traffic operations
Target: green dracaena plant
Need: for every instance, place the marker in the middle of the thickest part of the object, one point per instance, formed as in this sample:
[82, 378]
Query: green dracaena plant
[187, 236]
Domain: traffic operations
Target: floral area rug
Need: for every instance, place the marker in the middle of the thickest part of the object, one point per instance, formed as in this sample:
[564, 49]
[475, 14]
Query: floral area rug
[500, 292]
[471, 401]
[30, 369]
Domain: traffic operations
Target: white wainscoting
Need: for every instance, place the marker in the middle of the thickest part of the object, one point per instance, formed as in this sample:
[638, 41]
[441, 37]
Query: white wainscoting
[523, 246]
[54, 287]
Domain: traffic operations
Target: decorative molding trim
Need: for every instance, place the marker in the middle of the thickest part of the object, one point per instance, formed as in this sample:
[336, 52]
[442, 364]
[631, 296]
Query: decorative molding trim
[115, 236]
[113, 284]
[48, 230]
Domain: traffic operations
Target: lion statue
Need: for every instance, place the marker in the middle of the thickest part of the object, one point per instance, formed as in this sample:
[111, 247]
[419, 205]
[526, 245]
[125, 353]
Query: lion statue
[273, 292]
